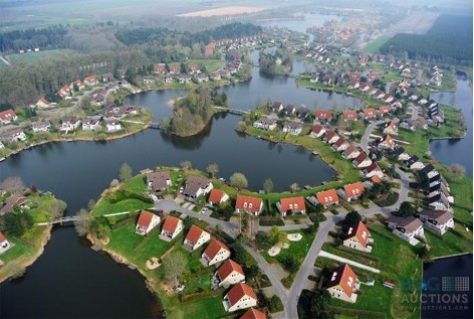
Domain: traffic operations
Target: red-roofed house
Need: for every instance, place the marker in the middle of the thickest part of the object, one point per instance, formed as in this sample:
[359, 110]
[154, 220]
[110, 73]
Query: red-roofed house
[217, 197]
[349, 115]
[8, 116]
[4, 244]
[340, 145]
[64, 92]
[372, 170]
[317, 131]
[295, 205]
[171, 227]
[385, 142]
[391, 128]
[159, 69]
[240, 296]
[196, 237]
[330, 137]
[384, 110]
[352, 151]
[362, 160]
[91, 80]
[351, 191]
[43, 103]
[146, 222]
[253, 314]
[174, 69]
[358, 237]
[343, 284]
[215, 252]
[248, 204]
[230, 273]
[369, 113]
[193, 68]
[323, 114]
[327, 198]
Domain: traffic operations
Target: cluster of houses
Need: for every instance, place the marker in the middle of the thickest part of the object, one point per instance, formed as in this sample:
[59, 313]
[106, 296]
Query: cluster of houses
[7, 207]
[228, 274]
[438, 197]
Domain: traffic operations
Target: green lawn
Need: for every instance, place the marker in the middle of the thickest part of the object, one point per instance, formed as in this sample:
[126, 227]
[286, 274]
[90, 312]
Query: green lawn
[375, 45]
[36, 56]
[211, 65]
[206, 308]
[450, 243]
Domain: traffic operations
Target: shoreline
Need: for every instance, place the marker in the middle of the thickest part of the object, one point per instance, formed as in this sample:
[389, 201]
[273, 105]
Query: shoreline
[79, 139]
[46, 236]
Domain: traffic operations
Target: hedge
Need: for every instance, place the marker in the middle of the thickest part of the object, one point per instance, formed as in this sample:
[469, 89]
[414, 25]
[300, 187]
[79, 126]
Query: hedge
[270, 221]
[200, 295]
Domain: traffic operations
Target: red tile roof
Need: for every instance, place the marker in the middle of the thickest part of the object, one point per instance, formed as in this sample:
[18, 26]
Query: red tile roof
[193, 234]
[349, 114]
[2, 237]
[213, 248]
[362, 156]
[359, 231]
[369, 112]
[171, 223]
[7, 115]
[248, 203]
[329, 135]
[216, 195]
[376, 179]
[239, 291]
[323, 114]
[293, 204]
[345, 277]
[253, 314]
[355, 189]
[228, 268]
[340, 141]
[384, 109]
[145, 219]
[327, 197]
[317, 128]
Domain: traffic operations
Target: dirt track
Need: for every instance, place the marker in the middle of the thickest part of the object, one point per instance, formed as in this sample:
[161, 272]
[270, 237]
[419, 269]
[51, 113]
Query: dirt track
[222, 11]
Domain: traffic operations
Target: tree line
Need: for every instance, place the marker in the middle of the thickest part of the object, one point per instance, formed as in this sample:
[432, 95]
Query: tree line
[45, 38]
[448, 41]
[166, 36]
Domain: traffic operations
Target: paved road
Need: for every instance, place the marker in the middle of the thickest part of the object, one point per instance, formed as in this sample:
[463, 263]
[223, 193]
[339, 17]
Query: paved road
[364, 141]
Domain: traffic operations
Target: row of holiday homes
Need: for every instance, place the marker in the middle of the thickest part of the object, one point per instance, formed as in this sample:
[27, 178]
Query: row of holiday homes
[229, 273]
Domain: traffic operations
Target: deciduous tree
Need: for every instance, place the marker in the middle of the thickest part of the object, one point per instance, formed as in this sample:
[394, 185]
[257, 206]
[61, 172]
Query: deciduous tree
[268, 186]
[239, 181]
[83, 222]
[13, 185]
[125, 172]
[212, 169]
[175, 266]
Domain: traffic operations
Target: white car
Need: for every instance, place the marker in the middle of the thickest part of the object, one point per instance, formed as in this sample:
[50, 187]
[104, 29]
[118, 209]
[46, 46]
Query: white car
[204, 210]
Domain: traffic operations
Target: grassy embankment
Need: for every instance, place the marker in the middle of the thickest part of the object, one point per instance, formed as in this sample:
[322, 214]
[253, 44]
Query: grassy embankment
[27, 248]
[396, 260]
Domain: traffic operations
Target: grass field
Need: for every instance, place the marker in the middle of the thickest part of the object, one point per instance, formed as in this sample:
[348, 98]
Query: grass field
[375, 45]
[36, 56]
[211, 65]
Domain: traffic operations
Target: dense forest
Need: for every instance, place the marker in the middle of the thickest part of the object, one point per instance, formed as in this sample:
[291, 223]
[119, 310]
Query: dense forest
[193, 112]
[48, 38]
[448, 41]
